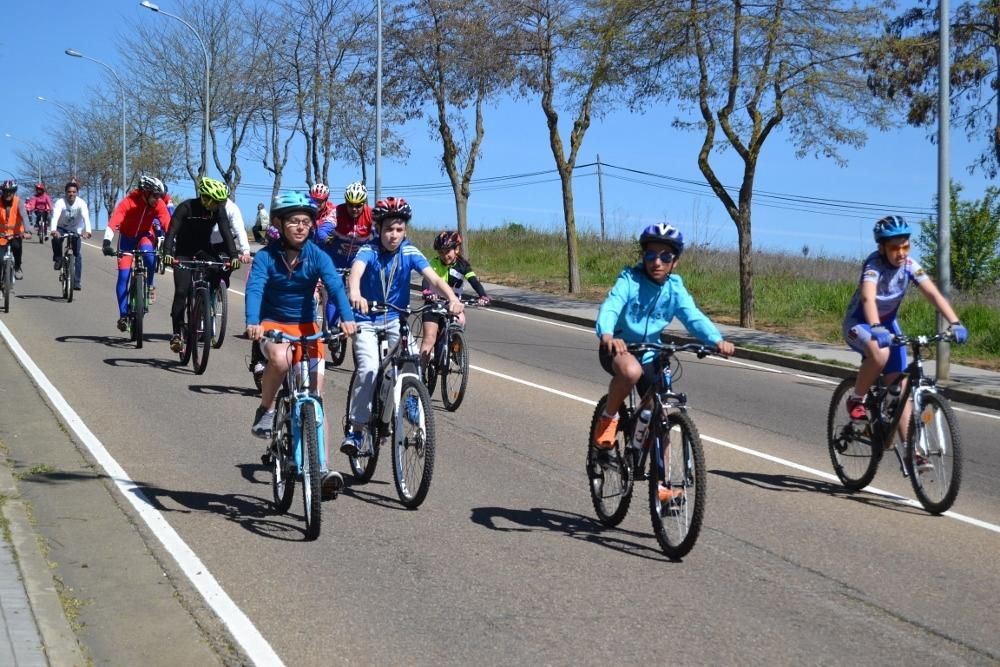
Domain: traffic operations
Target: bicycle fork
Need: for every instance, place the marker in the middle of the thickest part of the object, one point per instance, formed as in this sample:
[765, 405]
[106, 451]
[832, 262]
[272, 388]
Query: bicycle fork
[298, 402]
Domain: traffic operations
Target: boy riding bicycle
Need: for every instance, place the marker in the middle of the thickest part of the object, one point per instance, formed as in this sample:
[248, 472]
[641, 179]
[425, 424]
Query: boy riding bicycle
[381, 272]
[643, 301]
[870, 322]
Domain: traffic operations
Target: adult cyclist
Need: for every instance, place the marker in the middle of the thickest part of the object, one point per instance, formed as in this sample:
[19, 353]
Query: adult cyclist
[344, 230]
[136, 218]
[190, 237]
[13, 223]
[40, 207]
[70, 215]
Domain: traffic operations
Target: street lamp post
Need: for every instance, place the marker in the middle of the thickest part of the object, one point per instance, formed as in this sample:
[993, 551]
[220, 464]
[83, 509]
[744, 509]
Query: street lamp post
[69, 114]
[76, 54]
[208, 67]
[378, 101]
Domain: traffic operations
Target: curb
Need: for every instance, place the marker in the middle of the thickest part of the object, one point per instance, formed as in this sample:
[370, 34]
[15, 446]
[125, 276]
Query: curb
[774, 358]
[58, 639]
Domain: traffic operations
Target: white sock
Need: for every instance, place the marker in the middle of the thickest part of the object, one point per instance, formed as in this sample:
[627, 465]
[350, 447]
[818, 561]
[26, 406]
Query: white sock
[605, 414]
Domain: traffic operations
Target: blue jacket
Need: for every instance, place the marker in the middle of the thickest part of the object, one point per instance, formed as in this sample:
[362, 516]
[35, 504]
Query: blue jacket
[275, 293]
[387, 276]
[637, 309]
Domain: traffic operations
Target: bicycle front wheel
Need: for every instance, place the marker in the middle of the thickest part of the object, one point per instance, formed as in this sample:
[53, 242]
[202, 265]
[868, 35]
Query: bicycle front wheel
[137, 303]
[338, 351]
[8, 283]
[610, 472]
[282, 462]
[934, 442]
[677, 486]
[220, 314]
[201, 330]
[364, 463]
[311, 482]
[854, 453]
[69, 267]
[456, 377]
[413, 443]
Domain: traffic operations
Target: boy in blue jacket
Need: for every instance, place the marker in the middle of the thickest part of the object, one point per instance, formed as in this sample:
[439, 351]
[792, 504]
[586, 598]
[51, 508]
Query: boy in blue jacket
[642, 302]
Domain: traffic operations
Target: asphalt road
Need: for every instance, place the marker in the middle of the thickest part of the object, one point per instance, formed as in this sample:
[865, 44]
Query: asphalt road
[504, 562]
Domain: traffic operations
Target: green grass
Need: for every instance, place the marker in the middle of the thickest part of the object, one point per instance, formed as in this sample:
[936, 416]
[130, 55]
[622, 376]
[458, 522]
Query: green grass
[799, 296]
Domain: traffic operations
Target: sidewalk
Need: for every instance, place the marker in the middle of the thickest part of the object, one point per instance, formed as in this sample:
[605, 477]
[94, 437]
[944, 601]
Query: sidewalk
[972, 386]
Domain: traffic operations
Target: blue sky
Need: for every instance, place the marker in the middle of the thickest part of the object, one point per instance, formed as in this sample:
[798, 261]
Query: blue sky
[896, 169]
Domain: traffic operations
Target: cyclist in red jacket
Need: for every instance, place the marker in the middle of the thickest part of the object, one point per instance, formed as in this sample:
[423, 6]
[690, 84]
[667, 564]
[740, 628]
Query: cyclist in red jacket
[140, 218]
[40, 207]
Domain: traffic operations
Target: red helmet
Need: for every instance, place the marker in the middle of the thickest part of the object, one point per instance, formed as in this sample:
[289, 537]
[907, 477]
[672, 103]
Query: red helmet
[392, 207]
[319, 192]
[447, 240]
[40, 186]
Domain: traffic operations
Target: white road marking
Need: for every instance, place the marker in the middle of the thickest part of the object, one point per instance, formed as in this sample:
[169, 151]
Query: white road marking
[761, 455]
[242, 629]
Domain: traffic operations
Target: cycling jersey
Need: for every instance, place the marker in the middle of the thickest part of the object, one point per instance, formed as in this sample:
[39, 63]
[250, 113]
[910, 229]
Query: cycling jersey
[13, 217]
[192, 227]
[341, 236]
[41, 203]
[133, 216]
[387, 276]
[455, 275]
[890, 288]
[637, 309]
[73, 217]
[275, 291]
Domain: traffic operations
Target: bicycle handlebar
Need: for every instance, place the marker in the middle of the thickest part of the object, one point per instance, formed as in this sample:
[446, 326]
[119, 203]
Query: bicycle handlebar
[279, 336]
[185, 263]
[922, 340]
[672, 348]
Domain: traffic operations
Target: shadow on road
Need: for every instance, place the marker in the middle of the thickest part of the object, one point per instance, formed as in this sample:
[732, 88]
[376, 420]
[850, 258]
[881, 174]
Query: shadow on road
[251, 513]
[163, 364]
[119, 342]
[576, 526]
[46, 297]
[218, 389]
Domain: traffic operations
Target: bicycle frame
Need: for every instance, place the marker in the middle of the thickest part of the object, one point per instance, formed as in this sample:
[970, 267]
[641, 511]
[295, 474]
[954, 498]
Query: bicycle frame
[393, 363]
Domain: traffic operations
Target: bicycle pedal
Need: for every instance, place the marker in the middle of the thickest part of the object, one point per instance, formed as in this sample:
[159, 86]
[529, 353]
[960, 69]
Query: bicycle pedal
[266, 459]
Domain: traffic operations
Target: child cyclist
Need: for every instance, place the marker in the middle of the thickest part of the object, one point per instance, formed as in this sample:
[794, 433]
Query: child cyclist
[381, 272]
[454, 269]
[279, 295]
[870, 321]
[643, 301]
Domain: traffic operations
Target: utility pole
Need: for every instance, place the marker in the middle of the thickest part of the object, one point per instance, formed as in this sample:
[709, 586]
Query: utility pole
[943, 365]
[600, 195]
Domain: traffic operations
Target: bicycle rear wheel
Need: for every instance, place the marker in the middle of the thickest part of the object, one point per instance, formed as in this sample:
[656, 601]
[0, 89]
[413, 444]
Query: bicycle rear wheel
[338, 352]
[201, 330]
[363, 465]
[934, 436]
[137, 304]
[677, 518]
[311, 478]
[282, 462]
[68, 267]
[413, 443]
[456, 378]
[610, 474]
[187, 341]
[220, 314]
[854, 453]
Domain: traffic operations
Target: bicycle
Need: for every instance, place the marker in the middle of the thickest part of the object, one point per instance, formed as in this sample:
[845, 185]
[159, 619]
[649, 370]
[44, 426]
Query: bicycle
[671, 444]
[6, 270]
[137, 303]
[42, 225]
[397, 383]
[67, 274]
[932, 435]
[197, 329]
[450, 360]
[296, 450]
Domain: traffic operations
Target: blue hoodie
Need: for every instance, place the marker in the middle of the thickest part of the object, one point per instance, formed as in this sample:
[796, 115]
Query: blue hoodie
[637, 309]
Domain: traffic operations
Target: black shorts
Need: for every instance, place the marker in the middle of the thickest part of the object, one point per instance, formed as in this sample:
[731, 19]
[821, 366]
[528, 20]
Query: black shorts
[648, 374]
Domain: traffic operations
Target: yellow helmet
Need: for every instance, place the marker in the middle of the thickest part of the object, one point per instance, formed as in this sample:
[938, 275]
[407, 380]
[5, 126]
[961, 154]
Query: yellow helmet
[213, 189]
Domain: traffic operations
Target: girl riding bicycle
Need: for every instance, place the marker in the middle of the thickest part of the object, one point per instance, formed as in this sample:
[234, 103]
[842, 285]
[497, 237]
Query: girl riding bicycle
[643, 301]
[279, 295]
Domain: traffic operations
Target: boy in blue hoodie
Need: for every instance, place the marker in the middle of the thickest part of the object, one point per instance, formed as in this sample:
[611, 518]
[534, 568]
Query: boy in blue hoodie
[642, 302]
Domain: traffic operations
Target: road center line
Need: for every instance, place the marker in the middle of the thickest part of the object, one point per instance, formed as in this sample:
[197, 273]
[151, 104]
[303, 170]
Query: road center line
[758, 454]
[241, 627]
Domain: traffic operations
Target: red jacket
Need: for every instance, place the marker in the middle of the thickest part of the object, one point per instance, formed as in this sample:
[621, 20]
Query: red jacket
[40, 202]
[133, 217]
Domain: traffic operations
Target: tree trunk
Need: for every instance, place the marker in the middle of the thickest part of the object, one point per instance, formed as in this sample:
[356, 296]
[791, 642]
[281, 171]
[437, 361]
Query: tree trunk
[572, 256]
[746, 268]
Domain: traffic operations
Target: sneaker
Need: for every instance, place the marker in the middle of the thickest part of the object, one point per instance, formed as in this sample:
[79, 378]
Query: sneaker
[77, 288]
[331, 484]
[175, 343]
[670, 495]
[352, 443]
[921, 463]
[18, 274]
[606, 432]
[263, 422]
[123, 324]
[258, 368]
[57, 263]
[412, 409]
[856, 409]
[152, 295]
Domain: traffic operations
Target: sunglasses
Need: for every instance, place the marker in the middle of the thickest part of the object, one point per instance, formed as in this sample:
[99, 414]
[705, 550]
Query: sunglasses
[299, 222]
[666, 256]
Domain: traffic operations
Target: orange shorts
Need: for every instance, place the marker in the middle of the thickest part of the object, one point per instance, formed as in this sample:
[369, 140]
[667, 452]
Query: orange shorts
[316, 349]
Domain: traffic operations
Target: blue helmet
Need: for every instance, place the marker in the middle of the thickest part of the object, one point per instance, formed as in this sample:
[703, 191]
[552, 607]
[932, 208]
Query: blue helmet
[663, 233]
[292, 202]
[890, 226]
